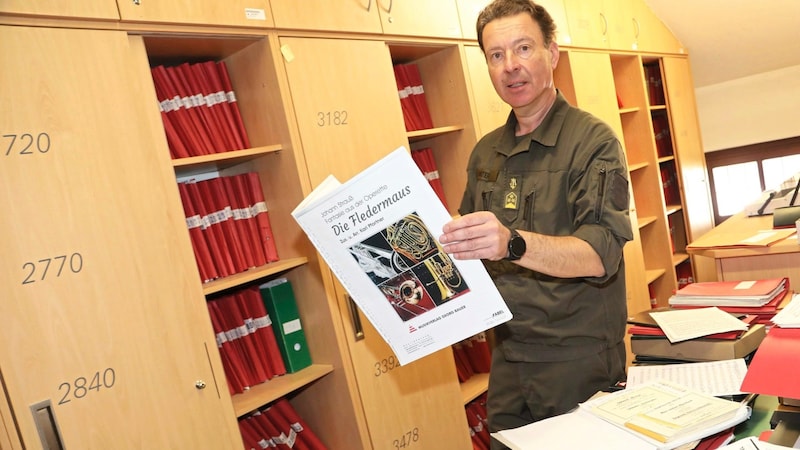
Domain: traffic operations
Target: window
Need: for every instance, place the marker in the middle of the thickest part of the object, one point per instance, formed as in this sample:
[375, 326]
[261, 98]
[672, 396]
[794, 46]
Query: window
[738, 176]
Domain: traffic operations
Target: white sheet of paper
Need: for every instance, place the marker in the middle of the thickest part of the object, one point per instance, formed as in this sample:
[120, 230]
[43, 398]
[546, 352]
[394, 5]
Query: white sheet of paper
[713, 377]
[684, 324]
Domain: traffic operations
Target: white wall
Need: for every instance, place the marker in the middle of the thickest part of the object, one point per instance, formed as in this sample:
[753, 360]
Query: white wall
[750, 110]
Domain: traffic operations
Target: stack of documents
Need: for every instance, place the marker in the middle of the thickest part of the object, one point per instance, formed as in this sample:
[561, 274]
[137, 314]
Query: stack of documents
[789, 316]
[653, 416]
[759, 297]
[730, 293]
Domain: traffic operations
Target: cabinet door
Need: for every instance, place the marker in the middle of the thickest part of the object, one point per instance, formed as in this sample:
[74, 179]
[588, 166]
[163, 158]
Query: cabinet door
[588, 23]
[490, 109]
[244, 13]
[352, 15]
[343, 130]
[468, 11]
[688, 146]
[420, 18]
[104, 323]
[105, 9]
[652, 34]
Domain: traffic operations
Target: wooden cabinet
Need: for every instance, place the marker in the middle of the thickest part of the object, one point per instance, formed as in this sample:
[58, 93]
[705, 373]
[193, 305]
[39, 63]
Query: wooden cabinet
[239, 13]
[651, 34]
[317, 94]
[588, 80]
[104, 323]
[692, 173]
[343, 131]
[359, 16]
[105, 10]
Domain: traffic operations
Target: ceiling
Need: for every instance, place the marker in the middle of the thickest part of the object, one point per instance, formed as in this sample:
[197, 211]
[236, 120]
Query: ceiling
[730, 39]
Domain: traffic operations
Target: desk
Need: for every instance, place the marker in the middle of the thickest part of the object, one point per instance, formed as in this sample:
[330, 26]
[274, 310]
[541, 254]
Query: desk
[781, 259]
[758, 422]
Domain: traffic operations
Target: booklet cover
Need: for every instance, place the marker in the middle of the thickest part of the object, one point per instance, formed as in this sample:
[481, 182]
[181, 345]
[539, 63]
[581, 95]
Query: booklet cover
[378, 232]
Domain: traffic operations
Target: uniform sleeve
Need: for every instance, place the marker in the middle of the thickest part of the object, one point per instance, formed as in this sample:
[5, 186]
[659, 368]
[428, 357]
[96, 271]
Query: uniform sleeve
[602, 205]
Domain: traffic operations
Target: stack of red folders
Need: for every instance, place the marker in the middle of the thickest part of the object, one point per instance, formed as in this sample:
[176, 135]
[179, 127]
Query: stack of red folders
[478, 424]
[228, 224]
[245, 339]
[424, 159]
[199, 109]
[416, 114]
[278, 426]
[472, 356]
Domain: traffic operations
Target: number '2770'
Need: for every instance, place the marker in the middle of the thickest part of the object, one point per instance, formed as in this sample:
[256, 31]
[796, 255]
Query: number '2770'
[51, 267]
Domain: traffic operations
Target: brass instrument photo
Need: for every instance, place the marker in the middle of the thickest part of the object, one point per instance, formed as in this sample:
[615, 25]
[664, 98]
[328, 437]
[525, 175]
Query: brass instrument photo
[408, 265]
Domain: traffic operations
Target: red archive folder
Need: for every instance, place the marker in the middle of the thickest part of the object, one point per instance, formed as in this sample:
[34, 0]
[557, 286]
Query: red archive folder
[212, 232]
[418, 96]
[174, 108]
[195, 121]
[231, 363]
[258, 206]
[305, 434]
[220, 212]
[222, 69]
[265, 336]
[412, 122]
[211, 73]
[243, 321]
[240, 186]
[243, 222]
[195, 224]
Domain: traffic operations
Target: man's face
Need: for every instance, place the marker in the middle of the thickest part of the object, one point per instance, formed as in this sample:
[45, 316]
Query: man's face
[520, 66]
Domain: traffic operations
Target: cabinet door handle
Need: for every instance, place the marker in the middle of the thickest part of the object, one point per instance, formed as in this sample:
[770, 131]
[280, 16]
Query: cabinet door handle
[358, 330]
[369, 5]
[391, 2]
[47, 426]
[636, 27]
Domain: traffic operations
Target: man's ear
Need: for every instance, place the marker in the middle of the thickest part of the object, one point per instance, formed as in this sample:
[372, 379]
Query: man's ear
[554, 54]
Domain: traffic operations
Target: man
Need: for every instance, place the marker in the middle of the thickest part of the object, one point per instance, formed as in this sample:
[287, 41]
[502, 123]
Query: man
[546, 208]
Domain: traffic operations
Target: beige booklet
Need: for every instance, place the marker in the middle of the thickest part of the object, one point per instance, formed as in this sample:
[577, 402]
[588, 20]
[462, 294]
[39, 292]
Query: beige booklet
[664, 411]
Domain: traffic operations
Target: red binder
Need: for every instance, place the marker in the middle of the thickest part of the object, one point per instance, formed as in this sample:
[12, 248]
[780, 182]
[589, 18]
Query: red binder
[212, 105]
[231, 363]
[259, 207]
[406, 102]
[418, 96]
[250, 298]
[243, 222]
[195, 224]
[242, 320]
[242, 192]
[478, 352]
[222, 69]
[173, 106]
[211, 72]
[287, 411]
[211, 231]
[195, 120]
[219, 211]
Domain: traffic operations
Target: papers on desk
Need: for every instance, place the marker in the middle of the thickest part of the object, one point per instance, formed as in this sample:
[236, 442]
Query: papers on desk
[715, 378]
[682, 325]
[789, 316]
[730, 293]
[653, 416]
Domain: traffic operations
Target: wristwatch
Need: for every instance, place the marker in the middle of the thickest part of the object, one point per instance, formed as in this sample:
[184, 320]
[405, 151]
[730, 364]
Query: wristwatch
[516, 246]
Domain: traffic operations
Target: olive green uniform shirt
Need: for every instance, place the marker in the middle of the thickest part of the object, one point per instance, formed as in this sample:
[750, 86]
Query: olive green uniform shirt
[566, 178]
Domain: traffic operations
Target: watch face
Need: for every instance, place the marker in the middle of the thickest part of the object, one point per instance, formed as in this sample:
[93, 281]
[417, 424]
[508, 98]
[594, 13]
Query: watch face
[516, 246]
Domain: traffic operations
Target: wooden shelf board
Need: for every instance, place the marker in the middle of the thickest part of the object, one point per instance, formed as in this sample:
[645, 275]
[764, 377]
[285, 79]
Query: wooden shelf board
[653, 275]
[672, 209]
[646, 220]
[218, 161]
[419, 135]
[252, 274]
[637, 166]
[678, 258]
[629, 110]
[268, 391]
[475, 386]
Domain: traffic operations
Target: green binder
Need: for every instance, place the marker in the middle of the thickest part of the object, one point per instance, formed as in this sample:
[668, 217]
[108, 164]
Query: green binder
[281, 305]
